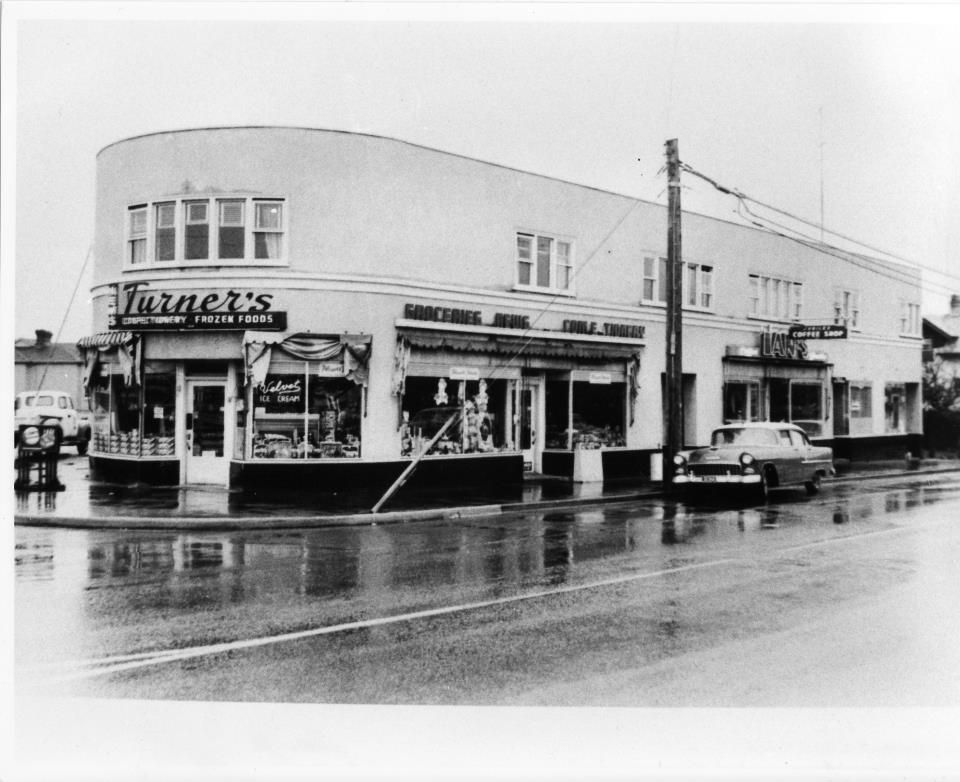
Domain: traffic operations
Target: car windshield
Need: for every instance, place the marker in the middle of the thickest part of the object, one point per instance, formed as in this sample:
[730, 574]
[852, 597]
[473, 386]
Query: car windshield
[744, 437]
[45, 401]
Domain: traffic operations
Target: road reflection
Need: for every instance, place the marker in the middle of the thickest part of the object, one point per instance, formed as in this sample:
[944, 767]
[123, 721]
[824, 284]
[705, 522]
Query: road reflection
[422, 562]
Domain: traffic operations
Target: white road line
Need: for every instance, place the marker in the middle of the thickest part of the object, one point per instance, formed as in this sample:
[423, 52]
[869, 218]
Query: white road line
[118, 664]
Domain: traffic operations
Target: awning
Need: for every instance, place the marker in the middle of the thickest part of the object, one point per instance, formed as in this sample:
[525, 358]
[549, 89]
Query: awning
[513, 345]
[354, 348]
[107, 339]
[124, 344]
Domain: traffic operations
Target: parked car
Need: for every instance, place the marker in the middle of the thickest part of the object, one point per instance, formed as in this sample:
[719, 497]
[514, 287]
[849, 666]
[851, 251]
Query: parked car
[37, 407]
[755, 456]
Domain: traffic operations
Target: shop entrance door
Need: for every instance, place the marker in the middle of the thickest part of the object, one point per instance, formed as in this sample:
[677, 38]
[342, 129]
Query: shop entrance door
[530, 423]
[841, 408]
[206, 459]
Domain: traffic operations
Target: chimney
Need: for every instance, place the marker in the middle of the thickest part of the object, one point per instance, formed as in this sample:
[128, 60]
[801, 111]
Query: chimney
[44, 336]
[955, 304]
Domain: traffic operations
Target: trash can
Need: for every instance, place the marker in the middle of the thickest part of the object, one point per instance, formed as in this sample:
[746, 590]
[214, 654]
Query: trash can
[656, 466]
[587, 465]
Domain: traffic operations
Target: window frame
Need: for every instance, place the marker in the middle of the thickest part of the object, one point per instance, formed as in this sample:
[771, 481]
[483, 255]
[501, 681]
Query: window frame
[214, 207]
[555, 265]
[778, 299]
[847, 308]
[703, 273]
[911, 321]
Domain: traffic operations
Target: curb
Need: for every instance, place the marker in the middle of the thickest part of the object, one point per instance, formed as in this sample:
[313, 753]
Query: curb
[231, 523]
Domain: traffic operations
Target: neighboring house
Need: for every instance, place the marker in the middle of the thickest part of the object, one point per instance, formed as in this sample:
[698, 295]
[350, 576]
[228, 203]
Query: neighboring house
[52, 365]
[941, 340]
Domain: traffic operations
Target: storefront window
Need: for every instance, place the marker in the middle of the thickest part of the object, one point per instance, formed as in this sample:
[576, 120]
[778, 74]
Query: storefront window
[481, 425]
[598, 414]
[861, 401]
[741, 402]
[306, 416]
[117, 410]
[895, 408]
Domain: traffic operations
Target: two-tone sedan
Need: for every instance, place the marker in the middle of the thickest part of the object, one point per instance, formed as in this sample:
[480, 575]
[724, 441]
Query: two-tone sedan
[755, 456]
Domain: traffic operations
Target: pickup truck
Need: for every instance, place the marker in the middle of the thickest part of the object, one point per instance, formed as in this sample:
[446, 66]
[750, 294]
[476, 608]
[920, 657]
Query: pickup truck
[35, 407]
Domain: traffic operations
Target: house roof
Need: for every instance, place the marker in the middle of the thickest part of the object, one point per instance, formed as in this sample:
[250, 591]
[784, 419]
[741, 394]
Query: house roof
[28, 352]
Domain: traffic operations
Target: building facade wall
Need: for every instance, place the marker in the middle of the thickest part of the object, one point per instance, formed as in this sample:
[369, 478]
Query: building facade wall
[372, 225]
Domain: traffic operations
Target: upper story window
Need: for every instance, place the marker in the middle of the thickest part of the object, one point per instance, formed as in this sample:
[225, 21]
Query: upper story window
[137, 235]
[207, 230]
[544, 262]
[775, 298]
[697, 283]
[654, 280]
[910, 319]
[846, 307]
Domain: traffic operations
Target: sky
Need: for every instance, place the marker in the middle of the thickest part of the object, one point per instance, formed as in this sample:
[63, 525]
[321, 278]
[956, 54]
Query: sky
[773, 103]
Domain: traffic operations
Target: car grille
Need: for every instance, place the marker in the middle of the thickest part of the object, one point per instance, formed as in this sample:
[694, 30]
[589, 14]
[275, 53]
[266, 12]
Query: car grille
[714, 469]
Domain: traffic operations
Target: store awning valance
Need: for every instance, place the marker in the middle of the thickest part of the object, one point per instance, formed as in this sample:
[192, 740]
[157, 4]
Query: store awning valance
[106, 339]
[258, 347]
[125, 345]
[513, 345]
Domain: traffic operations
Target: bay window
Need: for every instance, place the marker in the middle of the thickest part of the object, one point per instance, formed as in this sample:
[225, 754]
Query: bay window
[212, 230]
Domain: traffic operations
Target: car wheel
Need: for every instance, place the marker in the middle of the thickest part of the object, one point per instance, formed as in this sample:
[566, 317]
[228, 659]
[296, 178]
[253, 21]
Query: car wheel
[82, 446]
[813, 486]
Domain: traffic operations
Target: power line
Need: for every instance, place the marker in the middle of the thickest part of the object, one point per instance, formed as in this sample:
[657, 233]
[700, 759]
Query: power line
[744, 197]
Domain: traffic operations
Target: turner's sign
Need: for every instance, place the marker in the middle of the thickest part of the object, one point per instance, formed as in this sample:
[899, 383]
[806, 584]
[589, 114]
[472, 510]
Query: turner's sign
[151, 310]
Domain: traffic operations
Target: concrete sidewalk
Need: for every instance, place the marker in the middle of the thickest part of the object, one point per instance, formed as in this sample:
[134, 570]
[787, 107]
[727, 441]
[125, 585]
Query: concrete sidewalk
[87, 504]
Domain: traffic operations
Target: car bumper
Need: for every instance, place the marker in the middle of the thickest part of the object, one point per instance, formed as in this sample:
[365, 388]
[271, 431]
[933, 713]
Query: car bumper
[711, 480]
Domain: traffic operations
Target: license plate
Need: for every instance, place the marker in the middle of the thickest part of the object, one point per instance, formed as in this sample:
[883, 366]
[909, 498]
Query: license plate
[709, 478]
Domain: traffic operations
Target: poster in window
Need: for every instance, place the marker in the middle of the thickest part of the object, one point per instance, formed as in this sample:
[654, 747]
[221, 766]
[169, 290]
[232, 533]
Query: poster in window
[280, 394]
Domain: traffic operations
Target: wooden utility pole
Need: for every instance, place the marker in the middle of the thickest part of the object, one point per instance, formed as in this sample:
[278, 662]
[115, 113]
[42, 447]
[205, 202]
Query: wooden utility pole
[673, 403]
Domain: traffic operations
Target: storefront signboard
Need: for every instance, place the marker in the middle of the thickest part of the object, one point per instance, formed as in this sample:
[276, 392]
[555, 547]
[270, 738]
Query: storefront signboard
[817, 332]
[464, 373]
[775, 344]
[146, 309]
[601, 378]
[505, 320]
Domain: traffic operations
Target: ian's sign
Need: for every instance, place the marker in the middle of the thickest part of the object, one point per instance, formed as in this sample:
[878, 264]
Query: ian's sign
[817, 332]
[152, 310]
[774, 344]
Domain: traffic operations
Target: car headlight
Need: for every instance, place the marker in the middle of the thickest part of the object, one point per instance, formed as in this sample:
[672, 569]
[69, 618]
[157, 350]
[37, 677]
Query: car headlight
[746, 458]
[678, 460]
[748, 465]
[30, 435]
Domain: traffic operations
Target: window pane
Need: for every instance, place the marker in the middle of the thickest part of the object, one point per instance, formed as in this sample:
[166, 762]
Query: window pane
[706, 286]
[231, 213]
[524, 247]
[648, 290]
[268, 216]
[165, 233]
[524, 273]
[598, 415]
[196, 212]
[231, 242]
[805, 399]
[691, 284]
[662, 279]
[544, 251]
[138, 222]
[196, 241]
[268, 245]
[138, 251]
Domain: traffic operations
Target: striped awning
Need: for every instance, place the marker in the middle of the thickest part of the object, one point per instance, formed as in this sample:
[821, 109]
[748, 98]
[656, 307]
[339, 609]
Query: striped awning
[556, 347]
[106, 339]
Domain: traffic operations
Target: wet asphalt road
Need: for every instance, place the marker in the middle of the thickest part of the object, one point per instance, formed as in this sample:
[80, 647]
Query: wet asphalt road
[845, 599]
